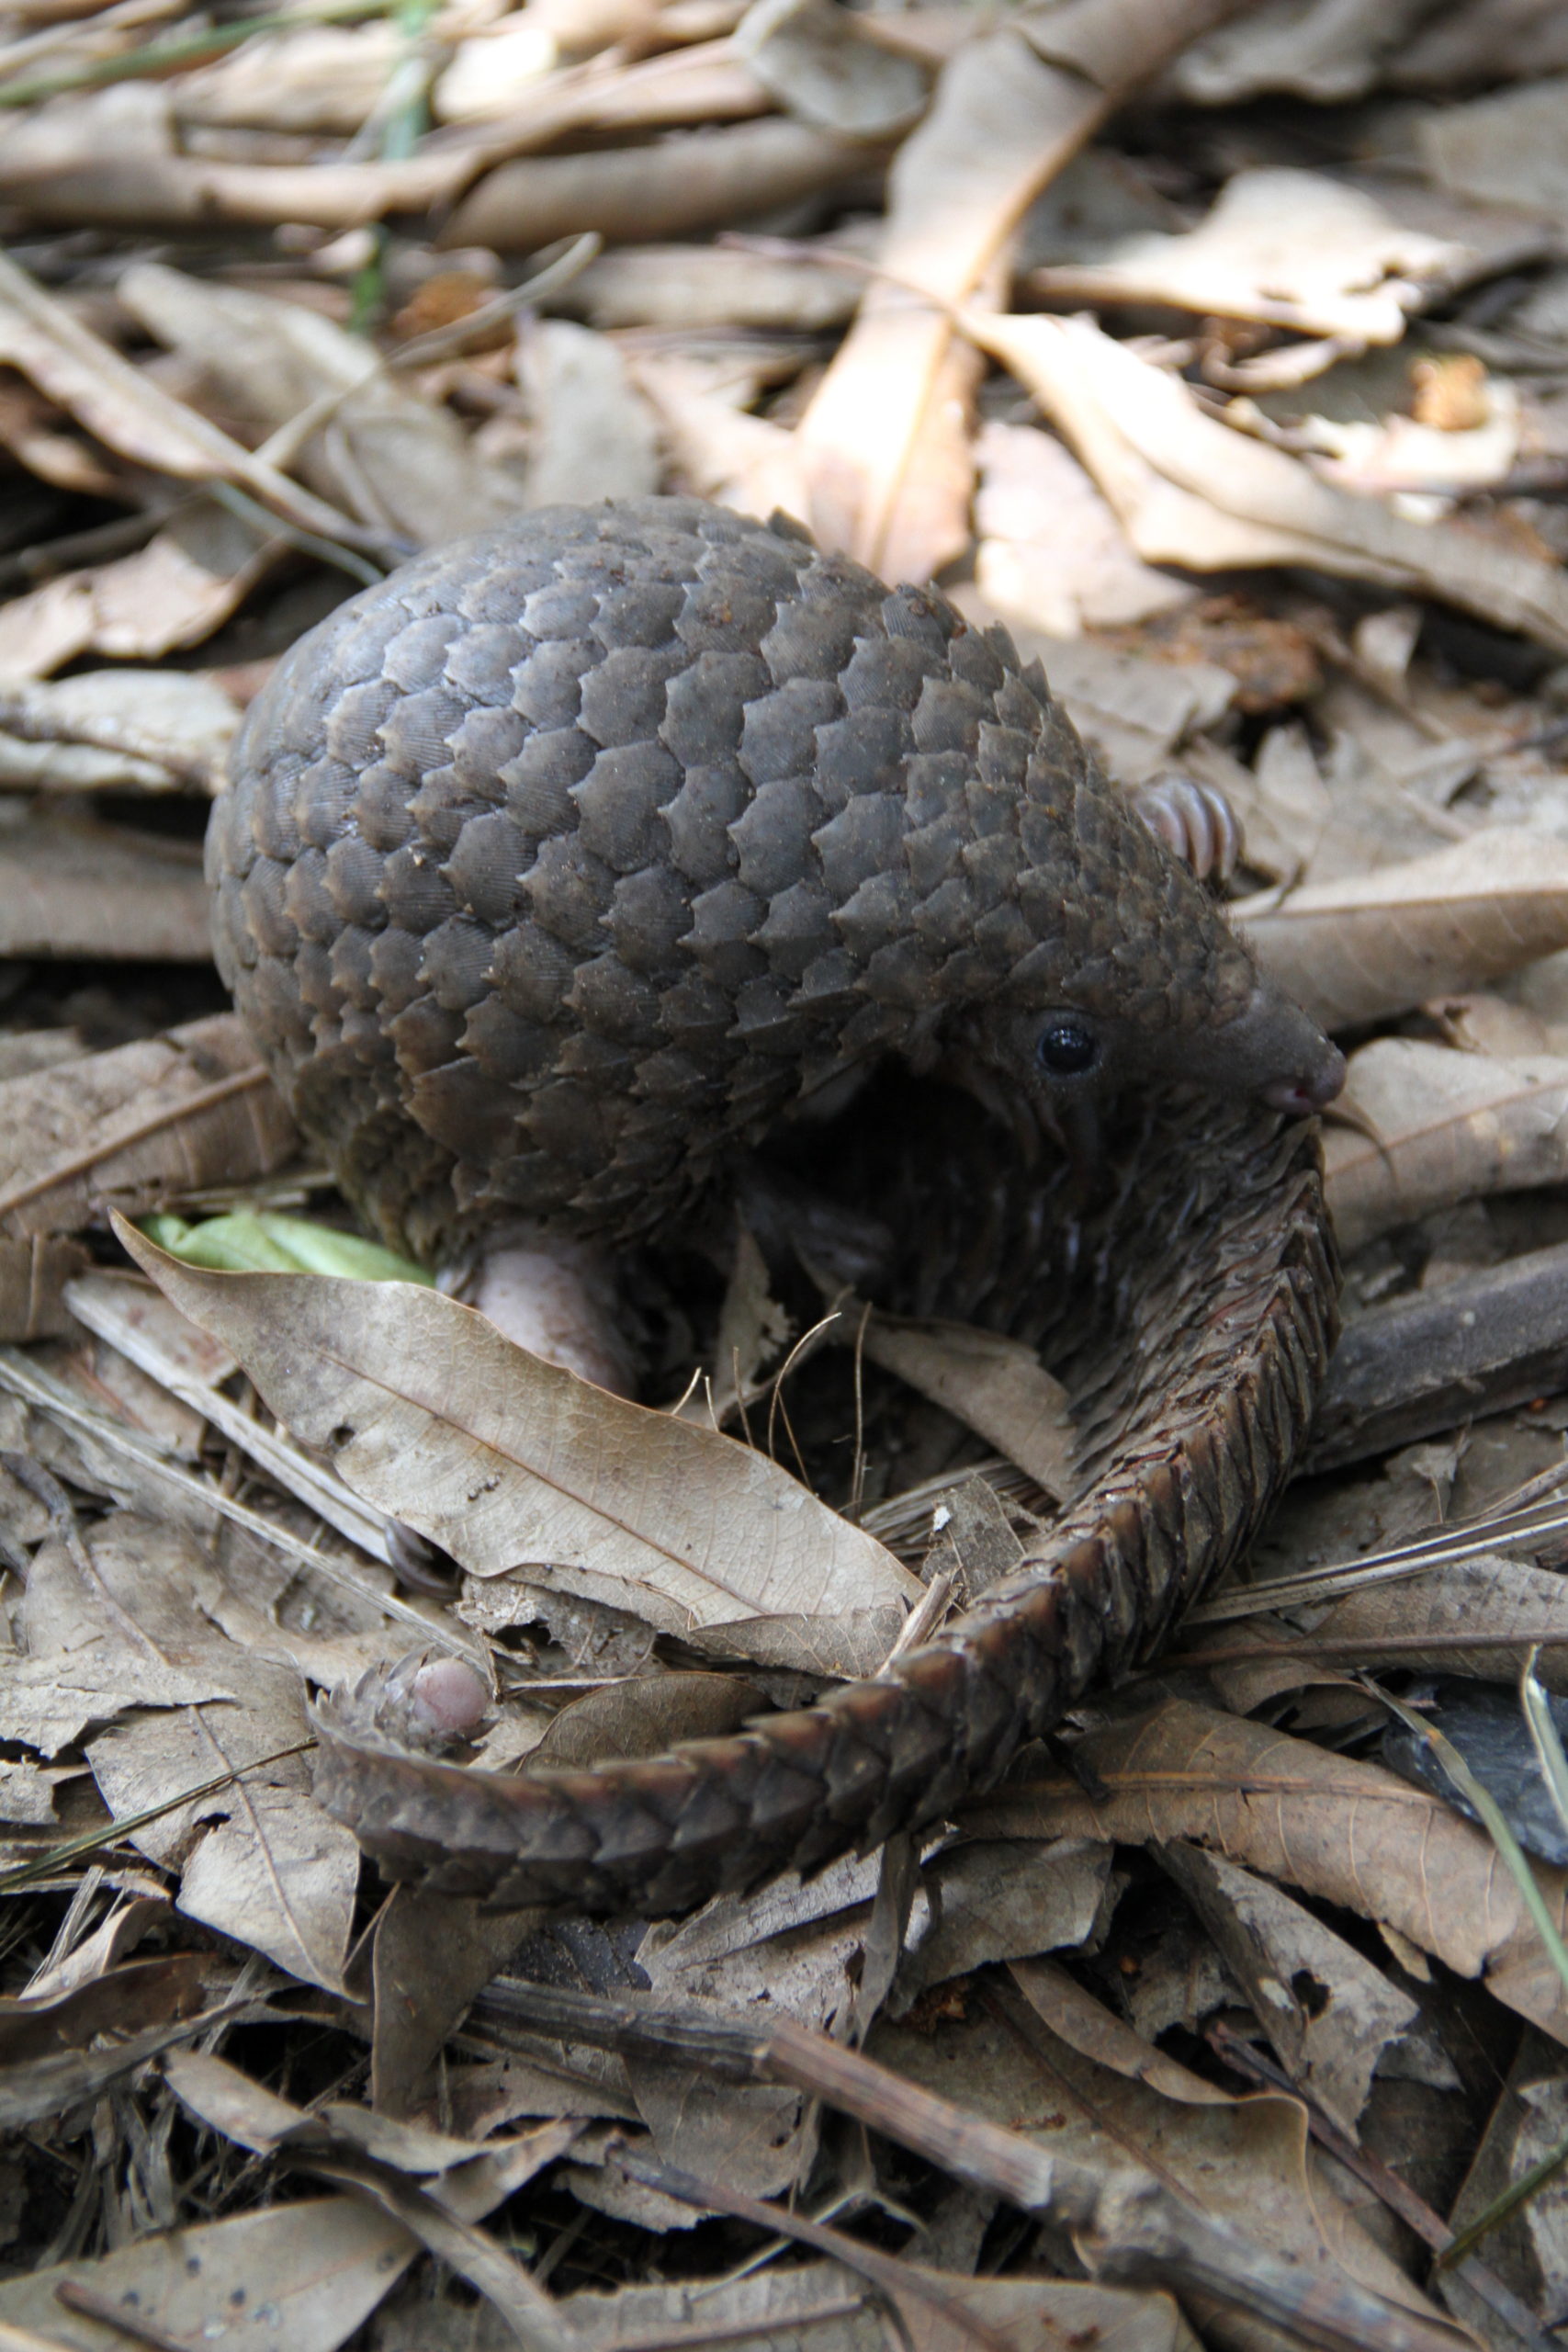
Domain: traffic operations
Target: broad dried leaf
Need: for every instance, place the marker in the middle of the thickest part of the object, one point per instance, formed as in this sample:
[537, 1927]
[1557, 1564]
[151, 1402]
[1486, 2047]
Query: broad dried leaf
[1049, 2060]
[506, 1461]
[258, 1859]
[1052, 553]
[1481, 1616]
[1346, 1831]
[173, 592]
[590, 434]
[1443, 1126]
[1371, 945]
[165, 1115]
[317, 2269]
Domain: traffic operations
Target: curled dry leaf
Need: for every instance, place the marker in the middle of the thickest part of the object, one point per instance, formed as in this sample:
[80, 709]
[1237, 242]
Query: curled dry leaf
[1190, 491]
[1441, 1125]
[1329, 2013]
[506, 1461]
[815, 60]
[1346, 1831]
[1289, 248]
[1371, 945]
[167, 1115]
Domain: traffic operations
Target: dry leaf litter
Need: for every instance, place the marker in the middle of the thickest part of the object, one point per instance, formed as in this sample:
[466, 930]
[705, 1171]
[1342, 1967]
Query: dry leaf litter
[1220, 352]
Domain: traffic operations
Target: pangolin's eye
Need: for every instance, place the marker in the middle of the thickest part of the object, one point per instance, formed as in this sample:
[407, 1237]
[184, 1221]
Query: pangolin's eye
[1067, 1046]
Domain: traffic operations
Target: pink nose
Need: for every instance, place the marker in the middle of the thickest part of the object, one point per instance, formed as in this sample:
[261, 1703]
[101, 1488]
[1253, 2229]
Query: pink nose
[1310, 1092]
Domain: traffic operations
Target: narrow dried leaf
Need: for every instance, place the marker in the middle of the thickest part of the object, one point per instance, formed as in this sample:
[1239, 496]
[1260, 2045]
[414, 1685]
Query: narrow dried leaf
[1371, 945]
[167, 1115]
[1442, 1125]
[506, 1461]
[1001, 121]
[270, 362]
[131, 413]
[34, 1271]
[127, 717]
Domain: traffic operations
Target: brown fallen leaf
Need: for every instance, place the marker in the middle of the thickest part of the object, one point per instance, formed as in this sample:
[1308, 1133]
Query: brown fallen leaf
[591, 434]
[506, 1461]
[1440, 1127]
[128, 729]
[1040, 2056]
[131, 413]
[173, 592]
[165, 1115]
[1349, 1832]
[69, 883]
[377, 448]
[1191, 490]
[816, 61]
[685, 183]
[1371, 945]
[1482, 1616]
[1001, 122]
[1010, 107]
[1050, 551]
[326, 2263]
[257, 1859]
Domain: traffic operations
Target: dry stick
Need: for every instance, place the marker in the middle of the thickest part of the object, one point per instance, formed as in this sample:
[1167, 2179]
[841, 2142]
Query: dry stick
[1130, 2230]
[885, 2272]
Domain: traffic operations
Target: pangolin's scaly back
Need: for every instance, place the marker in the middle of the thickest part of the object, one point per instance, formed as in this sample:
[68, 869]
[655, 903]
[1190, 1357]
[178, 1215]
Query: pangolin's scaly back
[564, 861]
